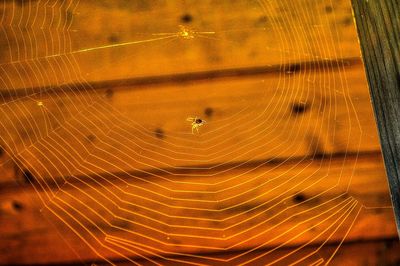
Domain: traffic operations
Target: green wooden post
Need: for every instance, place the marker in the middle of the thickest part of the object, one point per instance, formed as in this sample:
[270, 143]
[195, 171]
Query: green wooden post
[378, 25]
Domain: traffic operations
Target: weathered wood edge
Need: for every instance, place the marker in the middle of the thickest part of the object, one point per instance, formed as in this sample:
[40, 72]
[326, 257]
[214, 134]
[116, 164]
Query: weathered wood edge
[378, 26]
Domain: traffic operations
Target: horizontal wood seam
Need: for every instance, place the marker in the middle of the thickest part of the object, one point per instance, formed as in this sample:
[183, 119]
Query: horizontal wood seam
[142, 82]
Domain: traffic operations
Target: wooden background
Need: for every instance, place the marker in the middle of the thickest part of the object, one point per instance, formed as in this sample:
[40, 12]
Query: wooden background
[98, 163]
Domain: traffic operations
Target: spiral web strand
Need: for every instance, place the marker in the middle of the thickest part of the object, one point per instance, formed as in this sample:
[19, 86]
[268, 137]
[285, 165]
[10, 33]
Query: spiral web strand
[182, 198]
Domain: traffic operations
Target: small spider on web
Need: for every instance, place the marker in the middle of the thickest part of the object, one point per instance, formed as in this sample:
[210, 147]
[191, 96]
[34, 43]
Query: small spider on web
[196, 123]
[186, 33]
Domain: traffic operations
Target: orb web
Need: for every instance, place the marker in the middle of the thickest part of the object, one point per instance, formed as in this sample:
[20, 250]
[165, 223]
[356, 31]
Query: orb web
[114, 162]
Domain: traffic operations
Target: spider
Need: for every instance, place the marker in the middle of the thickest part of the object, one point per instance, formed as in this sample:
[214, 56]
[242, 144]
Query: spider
[196, 123]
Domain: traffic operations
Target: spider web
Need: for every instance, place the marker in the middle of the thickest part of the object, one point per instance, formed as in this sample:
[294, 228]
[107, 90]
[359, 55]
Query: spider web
[119, 168]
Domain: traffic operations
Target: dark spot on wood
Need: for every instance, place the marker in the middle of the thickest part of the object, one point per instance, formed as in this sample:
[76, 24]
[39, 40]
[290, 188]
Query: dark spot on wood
[1, 151]
[17, 206]
[69, 16]
[328, 9]
[28, 177]
[122, 224]
[208, 111]
[298, 198]
[91, 138]
[261, 21]
[299, 108]
[344, 196]
[186, 18]
[113, 38]
[109, 93]
[159, 133]
[348, 21]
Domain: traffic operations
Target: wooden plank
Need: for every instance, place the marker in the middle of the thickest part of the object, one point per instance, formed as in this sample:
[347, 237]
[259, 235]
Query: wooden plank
[52, 42]
[379, 30]
[312, 112]
[304, 202]
[381, 252]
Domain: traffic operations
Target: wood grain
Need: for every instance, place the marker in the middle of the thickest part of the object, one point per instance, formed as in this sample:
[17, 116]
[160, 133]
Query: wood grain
[286, 204]
[41, 40]
[143, 128]
[378, 24]
[381, 252]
